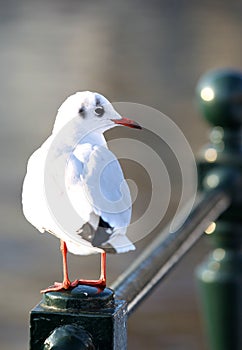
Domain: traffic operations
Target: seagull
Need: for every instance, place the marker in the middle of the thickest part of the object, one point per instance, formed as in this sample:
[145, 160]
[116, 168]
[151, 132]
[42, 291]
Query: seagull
[74, 187]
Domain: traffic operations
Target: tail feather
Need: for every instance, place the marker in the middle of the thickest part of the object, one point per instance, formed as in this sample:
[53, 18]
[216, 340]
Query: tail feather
[118, 243]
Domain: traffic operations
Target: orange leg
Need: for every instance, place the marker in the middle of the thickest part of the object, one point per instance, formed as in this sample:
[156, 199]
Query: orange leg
[101, 283]
[66, 284]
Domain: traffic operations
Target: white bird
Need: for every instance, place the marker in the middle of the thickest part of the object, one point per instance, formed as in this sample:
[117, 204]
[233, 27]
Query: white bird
[74, 187]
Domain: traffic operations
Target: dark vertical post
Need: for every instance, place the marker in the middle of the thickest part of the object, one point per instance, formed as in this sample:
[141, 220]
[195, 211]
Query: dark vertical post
[220, 277]
[83, 318]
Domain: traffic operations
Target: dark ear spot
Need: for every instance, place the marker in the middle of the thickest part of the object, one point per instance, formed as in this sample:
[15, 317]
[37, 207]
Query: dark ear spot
[81, 111]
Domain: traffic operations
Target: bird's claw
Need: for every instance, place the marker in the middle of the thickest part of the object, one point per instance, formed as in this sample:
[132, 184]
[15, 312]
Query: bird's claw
[100, 284]
[59, 286]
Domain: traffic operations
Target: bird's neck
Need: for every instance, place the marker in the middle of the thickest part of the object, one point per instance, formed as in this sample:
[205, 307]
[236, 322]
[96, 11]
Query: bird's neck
[65, 143]
[74, 133]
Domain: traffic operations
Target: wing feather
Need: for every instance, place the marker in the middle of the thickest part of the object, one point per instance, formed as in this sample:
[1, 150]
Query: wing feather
[106, 187]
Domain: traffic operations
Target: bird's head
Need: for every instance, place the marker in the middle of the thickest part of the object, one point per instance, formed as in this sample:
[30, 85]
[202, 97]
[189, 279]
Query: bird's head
[90, 109]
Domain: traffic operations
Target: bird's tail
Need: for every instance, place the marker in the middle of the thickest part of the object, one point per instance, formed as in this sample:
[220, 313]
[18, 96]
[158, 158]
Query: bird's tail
[118, 243]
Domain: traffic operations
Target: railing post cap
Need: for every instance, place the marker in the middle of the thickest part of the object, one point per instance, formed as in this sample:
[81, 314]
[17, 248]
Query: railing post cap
[82, 318]
[219, 95]
[81, 297]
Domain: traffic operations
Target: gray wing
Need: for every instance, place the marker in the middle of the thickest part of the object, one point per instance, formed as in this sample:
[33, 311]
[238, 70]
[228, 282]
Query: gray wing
[101, 195]
[106, 188]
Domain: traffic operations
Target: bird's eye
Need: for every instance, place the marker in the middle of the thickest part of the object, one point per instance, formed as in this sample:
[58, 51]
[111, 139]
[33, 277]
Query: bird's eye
[99, 111]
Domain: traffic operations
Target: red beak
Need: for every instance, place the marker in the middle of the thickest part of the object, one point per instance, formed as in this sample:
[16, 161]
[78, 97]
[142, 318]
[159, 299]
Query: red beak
[127, 122]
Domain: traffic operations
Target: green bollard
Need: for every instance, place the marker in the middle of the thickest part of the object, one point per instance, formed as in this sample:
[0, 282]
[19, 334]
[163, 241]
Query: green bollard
[220, 278]
[83, 318]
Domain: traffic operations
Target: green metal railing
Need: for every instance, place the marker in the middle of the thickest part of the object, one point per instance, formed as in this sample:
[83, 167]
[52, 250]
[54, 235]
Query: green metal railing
[84, 319]
[220, 278]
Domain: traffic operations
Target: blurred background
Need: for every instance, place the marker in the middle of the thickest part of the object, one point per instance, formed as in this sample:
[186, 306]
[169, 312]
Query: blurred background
[149, 52]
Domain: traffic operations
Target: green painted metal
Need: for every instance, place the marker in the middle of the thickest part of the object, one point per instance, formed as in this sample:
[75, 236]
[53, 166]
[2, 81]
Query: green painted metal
[83, 318]
[69, 337]
[220, 277]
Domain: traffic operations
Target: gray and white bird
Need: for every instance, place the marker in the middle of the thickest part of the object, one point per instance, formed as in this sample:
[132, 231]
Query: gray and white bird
[74, 187]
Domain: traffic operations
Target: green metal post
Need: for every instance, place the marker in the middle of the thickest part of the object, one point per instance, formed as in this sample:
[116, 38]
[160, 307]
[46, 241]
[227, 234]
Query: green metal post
[220, 278]
[83, 318]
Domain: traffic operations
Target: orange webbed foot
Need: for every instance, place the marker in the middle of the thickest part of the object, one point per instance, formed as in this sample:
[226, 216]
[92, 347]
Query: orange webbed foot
[100, 284]
[61, 286]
